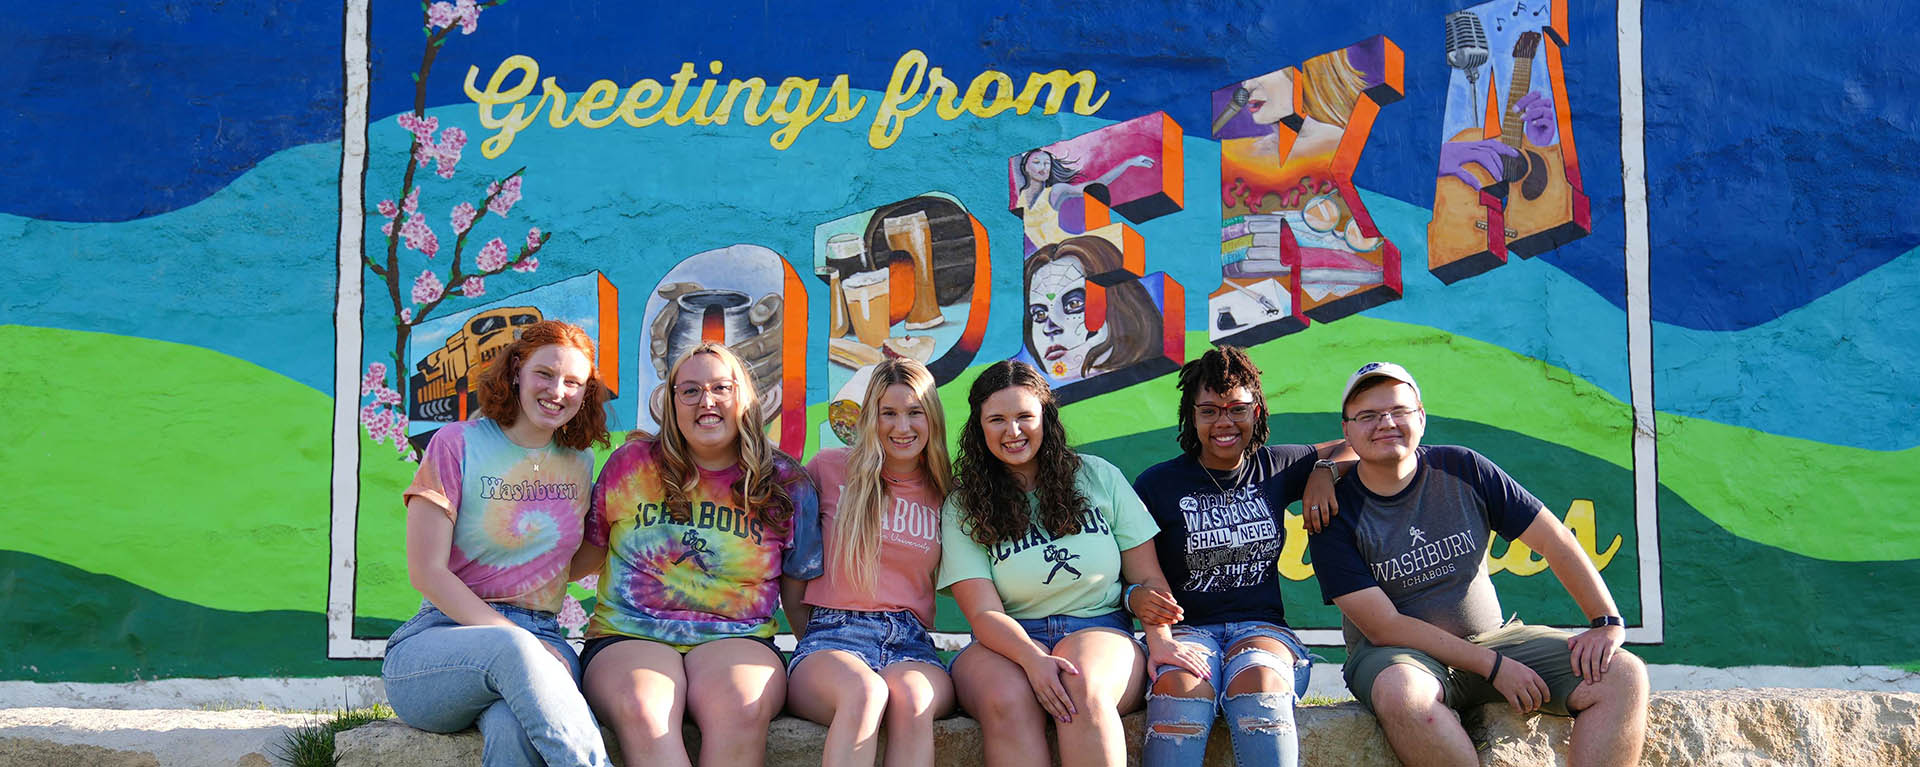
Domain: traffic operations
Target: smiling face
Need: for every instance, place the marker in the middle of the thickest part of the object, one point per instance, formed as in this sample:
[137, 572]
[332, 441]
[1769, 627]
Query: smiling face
[1057, 318]
[1010, 424]
[900, 421]
[552, 384]
[706, 407]
[1388, 441]
[1270, 96]
[1223, 440]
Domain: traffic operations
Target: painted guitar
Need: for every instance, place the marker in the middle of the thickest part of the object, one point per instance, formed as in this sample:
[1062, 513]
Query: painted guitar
[1532, 203]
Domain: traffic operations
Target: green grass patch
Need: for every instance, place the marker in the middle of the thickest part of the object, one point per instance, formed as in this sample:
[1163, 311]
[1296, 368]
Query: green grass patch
[312, 746]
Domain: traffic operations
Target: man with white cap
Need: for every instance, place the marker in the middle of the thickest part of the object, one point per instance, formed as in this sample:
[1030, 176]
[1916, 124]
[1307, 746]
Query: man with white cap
[1406, 562]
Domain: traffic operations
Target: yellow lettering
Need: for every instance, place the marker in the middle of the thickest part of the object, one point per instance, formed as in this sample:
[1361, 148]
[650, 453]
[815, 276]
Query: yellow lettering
[1521, 559]
[1058, 81]
[842, 110]
[599, 95]
[977, 93]
[631, 105]
[556, 117]
[944, 94]
[516, 118]
[890, 120]
[786, 108]
[700, 114]
[753, 87]
[680, 78]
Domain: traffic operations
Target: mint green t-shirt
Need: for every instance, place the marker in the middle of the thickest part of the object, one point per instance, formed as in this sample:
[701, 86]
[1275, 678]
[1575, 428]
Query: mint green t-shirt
[1039, 575]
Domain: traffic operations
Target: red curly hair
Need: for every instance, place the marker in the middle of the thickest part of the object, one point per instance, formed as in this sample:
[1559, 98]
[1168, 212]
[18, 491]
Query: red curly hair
[500, 387]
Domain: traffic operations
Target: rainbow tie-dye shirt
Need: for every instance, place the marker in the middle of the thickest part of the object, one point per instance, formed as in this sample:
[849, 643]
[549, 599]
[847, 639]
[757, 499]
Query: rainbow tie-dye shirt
[515, 527]
[714, 577]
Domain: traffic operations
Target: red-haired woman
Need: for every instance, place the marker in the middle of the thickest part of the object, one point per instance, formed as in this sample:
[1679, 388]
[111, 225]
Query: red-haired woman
[494, 516]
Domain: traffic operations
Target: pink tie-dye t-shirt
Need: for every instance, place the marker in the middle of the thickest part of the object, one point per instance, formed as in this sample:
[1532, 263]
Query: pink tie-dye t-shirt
[909, 543]
[715, 576]
[515, 526]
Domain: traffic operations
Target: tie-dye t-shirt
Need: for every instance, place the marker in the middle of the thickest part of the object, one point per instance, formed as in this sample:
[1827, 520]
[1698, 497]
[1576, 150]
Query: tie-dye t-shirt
[714, 577]
[515, 526]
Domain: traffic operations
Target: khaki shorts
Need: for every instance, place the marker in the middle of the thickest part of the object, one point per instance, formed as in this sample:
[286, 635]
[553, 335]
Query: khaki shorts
[1542, 649]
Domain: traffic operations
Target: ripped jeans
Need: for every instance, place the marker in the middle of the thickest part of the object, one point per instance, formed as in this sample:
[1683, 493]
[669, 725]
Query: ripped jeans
[1261, 723]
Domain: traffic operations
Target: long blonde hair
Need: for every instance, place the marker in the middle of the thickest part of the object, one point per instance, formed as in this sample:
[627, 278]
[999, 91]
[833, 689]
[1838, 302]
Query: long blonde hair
[759, 487]
[854, 548]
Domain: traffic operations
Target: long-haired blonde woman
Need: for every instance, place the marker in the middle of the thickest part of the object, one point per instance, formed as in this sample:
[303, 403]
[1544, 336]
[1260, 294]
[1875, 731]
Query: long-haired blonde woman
[703, 531]
[865, 658]
[494, 516]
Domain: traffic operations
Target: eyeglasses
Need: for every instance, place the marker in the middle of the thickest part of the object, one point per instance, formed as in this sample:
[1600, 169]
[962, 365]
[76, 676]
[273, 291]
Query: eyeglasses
[1238, 413]
[1373, 418]
[691, 394]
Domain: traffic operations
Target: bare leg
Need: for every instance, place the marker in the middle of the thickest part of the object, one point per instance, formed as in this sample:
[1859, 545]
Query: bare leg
[1112, 681]
[734, 689]
[917, 694]
[1419, 726]
[639, 689]
[995, 691]
[1610, 723]
[837, 689]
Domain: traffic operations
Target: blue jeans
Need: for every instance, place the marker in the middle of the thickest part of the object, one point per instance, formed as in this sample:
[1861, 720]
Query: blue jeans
[1261, 723]
[1048, 631]
[443, 677]
[878, 639]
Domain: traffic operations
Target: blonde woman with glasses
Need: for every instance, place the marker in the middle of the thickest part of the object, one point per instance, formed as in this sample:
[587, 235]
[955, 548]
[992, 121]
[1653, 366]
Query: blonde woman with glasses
[703, 531]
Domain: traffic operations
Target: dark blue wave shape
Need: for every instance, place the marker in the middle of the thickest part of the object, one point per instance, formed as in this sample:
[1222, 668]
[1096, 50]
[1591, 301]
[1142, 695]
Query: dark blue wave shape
[123, 112]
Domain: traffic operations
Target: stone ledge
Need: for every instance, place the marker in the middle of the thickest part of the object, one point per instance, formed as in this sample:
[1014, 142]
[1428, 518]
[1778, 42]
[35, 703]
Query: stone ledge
[55, 737]
[1760, 726]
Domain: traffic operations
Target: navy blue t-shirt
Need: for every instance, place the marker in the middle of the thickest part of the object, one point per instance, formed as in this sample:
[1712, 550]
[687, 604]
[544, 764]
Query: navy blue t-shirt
[1425, 546]
[1221, 532]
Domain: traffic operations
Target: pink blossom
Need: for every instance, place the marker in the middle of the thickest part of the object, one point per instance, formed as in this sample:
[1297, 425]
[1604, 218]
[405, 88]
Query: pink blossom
[399, 424]
[372, 413]
[590, 582]
[504, 195]
[406, 316]
[427, 288]
[463, 216]
[527, 264]
[446, 151]
[441, 15]
[412, 203]
[376, 377]
[400, 445]
[469, 16]
[422, 128]
[492, 257]
[386, 396]
[388, 209]
[419, 236]
[571, 616]
[387, 229]
[533, 238]
[473, 286]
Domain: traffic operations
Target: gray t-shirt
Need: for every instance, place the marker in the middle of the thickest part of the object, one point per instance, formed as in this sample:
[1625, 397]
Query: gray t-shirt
[1426, 546]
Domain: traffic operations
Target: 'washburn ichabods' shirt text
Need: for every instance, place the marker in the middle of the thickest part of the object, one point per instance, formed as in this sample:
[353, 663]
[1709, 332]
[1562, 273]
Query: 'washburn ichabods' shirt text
[1221, 532]
[1426, 546]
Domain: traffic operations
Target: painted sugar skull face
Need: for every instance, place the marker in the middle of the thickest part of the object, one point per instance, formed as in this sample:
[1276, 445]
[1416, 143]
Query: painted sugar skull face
[1057, 318]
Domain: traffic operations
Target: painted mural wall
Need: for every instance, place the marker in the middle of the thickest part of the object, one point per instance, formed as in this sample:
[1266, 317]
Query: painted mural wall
[1656, 263]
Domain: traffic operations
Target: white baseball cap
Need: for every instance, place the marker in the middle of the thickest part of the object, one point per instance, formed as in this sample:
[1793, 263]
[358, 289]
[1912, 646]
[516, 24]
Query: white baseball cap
[1377, 370]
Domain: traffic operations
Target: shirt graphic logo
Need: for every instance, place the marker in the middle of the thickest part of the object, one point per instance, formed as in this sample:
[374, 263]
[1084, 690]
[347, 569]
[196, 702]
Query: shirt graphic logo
[1059, 557]
[696, 549]
[1419, 536]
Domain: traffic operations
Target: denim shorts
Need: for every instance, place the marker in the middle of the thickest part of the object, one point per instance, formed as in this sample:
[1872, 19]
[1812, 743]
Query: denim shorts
[1215, 638]
[1048, 631]
[597, 644]
[878, 639]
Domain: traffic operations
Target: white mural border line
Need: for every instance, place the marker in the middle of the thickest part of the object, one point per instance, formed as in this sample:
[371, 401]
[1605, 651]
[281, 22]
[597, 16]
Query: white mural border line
[348, 340]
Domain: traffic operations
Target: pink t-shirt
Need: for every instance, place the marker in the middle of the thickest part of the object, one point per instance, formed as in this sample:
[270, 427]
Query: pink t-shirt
[909, 543]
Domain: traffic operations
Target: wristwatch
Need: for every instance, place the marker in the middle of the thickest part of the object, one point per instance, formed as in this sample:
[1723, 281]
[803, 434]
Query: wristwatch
[1333, 470]
[1607, 620]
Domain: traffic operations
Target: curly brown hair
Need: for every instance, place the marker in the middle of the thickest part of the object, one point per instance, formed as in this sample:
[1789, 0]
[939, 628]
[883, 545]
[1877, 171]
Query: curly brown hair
[1219, 370]
[758, 490]
[500, 384]
[993, 508]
